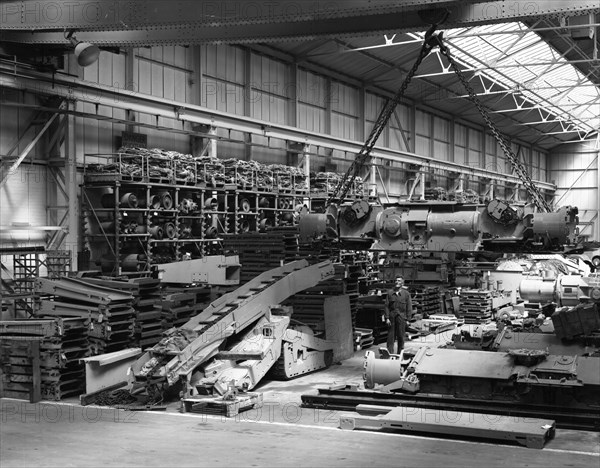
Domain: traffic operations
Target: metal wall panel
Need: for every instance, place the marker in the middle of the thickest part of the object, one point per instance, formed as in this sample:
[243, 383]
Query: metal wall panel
[23, 202]
[311, 88]
[343, 126]
[311, 118]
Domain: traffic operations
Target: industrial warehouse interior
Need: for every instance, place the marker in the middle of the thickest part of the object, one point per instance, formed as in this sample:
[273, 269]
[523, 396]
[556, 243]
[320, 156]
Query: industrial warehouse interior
[300, 233]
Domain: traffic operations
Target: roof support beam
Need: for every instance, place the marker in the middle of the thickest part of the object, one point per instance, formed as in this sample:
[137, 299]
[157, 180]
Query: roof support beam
[154, 22]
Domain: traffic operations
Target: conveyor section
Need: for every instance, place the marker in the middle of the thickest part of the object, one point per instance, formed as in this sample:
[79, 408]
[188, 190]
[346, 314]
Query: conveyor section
[183, 350]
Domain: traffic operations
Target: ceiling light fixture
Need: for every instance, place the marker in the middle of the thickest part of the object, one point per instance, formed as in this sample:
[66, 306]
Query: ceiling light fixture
[86, 53]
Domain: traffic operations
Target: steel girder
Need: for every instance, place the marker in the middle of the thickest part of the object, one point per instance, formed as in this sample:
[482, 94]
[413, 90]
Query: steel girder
[129, 100]
[139, 23]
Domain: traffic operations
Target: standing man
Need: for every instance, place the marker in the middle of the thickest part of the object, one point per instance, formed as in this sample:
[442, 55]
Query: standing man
[398, 310]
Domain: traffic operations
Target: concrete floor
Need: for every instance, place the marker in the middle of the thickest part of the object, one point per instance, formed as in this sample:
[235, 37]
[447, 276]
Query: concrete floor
[280, 434]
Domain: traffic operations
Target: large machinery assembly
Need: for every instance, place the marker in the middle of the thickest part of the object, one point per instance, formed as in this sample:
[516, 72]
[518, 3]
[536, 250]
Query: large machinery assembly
[240, 336]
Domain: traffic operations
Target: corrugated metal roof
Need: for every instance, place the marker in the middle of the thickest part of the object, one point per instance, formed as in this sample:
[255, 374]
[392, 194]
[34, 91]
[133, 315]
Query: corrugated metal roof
[532, 91]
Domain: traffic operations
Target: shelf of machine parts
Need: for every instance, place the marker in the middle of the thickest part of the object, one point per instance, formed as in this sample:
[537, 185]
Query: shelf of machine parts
[112, 210]
[117, 235]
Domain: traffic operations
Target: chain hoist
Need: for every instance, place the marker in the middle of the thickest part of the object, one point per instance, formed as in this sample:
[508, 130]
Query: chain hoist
[342, 188]
[519, 169]
[431, 41]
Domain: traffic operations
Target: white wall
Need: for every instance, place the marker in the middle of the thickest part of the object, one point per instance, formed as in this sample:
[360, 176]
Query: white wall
[576, 186]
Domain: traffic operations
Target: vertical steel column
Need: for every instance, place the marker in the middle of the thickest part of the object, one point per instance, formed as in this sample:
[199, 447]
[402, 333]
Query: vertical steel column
[597, 231]
[72, 239]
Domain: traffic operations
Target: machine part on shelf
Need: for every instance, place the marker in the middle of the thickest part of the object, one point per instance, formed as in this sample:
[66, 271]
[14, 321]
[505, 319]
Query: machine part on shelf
[129, 200]
[166, 200]
[185, 231]
[245, 205]
[141, 229]
[287, 218]
[265, 224]
[211, 232]
[187, 205]
[156, 232]
[211, 203]
[218, 270]
[264, 202]
[244, 225]
[183, 350]
[532, 433]
[134, 262]
[153, 203]
[501, 212]
[443, 227]
[170, 230]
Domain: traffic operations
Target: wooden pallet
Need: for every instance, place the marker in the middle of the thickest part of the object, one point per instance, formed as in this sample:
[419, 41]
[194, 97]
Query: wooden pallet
[219, 406]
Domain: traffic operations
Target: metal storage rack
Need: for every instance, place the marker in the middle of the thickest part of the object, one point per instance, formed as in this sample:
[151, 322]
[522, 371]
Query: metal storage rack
[135, 216]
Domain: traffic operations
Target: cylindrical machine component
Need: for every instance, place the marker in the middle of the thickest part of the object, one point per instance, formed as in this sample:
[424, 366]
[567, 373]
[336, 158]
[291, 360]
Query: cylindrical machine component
[538, 289]
[211, 203]
[466, 281]
[156, 232]
[166, 200]
[133, 262]
[381, 371]
[211, 232]
[460, 224]
[128, 200]
[317, 225]
[245, 205]
[170, 230]
[265, 223]
[244, 225]
[154, 202]
[559, 227]
[264, 202]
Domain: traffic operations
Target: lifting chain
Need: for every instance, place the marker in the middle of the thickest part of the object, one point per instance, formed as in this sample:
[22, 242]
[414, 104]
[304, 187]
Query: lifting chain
[341, 190]
[519, 168]
[431, 41]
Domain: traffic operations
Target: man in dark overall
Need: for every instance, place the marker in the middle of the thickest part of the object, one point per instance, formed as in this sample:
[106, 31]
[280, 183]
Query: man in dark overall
[398, 310]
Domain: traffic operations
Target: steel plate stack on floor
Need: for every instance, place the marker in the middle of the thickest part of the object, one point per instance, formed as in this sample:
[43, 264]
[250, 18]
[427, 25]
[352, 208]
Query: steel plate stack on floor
[370, 314]
[179, 304]
[308, 306]
[60, 343]
[146, 303]
[426, 300]
[475, 306]
[109, 311]
[260, 252]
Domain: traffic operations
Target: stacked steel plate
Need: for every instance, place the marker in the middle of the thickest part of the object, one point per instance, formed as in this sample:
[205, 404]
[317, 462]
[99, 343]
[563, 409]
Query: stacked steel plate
[109, 311]
[42, 357]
